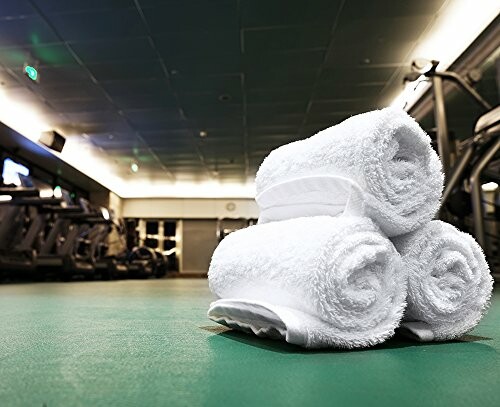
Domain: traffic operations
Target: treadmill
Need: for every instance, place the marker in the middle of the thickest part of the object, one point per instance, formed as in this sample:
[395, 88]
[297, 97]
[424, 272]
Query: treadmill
[58, 254]
[18, 231]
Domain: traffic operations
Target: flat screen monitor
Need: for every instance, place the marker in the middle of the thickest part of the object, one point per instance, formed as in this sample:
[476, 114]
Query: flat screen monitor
[11, 172]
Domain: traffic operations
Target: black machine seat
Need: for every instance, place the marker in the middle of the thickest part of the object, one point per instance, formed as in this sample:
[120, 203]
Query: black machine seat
[16, 192]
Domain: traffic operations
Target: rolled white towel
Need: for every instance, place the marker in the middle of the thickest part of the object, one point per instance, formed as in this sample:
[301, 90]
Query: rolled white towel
[385, 152]
[449, 282]
[316, 282]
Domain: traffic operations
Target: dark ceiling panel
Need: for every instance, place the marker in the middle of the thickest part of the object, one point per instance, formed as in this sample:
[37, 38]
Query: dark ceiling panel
[213, 43]
[127, 70]
[116, 140]
[269, 131]
[63, 76]
[278, 79]
[276, 119]
[279, 95]
[369, 30]
[348, 92]
[73, 92]
[145, 101]
[382, 53]
[222, 111]
[29, 30]
[65, 6]
[152, 87]
[79, 105]
[221, 84]
[221, 97]
[265, 40]
[259, 13]
[98, 25]
[116, 50]
[204, 123]
[152, 119]
[275, 109]
[15, 8]
[179, 134]
[283, 62]
[207, 65]
[191, 16]
[341, 105]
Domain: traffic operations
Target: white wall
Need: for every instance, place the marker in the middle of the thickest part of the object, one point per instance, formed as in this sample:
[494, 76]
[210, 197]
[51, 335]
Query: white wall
[188, 208]
[116, 204]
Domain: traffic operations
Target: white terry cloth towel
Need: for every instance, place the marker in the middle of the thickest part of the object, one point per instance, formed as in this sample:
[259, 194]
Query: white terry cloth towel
[311, 196]
[314, 281]
[449, 282]
[384, 151]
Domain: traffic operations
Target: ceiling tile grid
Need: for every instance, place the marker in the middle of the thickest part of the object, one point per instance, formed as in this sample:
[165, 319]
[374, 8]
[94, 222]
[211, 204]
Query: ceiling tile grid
[143, 78]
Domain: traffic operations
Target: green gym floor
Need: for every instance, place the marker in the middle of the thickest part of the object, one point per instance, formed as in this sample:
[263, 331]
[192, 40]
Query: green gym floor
[149, 343]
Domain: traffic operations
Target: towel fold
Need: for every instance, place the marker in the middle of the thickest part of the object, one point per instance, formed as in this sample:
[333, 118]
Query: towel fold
[449, 282]
[315, 281]
[384, 152]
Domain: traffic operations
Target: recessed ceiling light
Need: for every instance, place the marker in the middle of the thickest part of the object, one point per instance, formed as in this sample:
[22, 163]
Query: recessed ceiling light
[203, 133]
[134, 167]
[224, 97]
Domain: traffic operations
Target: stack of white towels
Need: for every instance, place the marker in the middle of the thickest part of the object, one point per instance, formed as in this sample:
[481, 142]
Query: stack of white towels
[346, 250]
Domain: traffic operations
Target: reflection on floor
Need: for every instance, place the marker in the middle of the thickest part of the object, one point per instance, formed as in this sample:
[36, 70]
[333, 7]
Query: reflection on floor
[141, 343]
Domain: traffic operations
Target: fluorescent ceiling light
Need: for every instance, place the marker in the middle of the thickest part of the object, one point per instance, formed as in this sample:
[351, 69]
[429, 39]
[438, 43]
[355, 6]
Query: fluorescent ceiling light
[203, 189]
[22, 118]
[455, 27]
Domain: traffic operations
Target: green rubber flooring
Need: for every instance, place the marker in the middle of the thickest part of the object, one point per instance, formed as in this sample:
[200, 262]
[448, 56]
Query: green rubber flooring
[149, 343]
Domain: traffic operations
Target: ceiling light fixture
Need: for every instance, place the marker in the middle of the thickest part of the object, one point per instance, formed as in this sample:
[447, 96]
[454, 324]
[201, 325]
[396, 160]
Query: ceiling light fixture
[134, 167]
[195, 189]
[224, 97]
[203, 134]
[454, 29]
